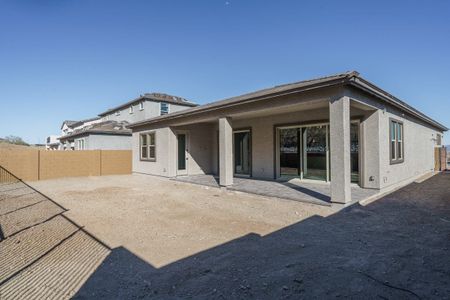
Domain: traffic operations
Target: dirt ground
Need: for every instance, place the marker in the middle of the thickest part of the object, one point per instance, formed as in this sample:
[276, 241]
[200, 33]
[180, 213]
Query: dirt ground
[171, 240]
[163, 221]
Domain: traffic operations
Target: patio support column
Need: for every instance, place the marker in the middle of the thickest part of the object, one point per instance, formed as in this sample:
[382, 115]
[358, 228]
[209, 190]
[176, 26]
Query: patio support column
[340, 150]
[225, 152]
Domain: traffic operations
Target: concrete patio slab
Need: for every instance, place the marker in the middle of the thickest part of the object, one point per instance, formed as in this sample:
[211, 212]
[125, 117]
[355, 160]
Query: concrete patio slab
[295, 189]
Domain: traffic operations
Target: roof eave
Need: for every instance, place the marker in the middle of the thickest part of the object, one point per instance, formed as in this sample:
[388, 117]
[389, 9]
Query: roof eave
[211, 106]
[353, 78]
[88, 132]
[367, 86]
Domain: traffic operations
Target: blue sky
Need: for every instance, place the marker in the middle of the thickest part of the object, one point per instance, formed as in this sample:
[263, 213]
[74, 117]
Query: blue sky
[74, 59]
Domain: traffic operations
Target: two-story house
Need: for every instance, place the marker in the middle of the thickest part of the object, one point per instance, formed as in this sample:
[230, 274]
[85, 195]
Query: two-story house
[70, 129]
[109, 131]
[146, 106]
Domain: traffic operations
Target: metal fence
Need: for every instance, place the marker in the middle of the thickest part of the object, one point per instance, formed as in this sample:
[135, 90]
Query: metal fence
[6, 176]
[43, 253]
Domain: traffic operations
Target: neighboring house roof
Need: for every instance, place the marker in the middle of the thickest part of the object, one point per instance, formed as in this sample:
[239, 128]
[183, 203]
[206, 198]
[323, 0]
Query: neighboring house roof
[73, 124]
[68, 123]
[159, 97]
[348, 78]
[106, 127]
[81, 122]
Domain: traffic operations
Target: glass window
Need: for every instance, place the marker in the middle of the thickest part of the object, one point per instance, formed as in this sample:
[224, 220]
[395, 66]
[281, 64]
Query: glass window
[148, 146]
[141, 105]
[152, 146]
[131, 110]
[396, 141]
[164, 108]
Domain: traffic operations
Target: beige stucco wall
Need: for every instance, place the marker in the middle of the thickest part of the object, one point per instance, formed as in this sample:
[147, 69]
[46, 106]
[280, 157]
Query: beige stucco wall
[419, 150]
[370, 154]
[203, 148]
[165, 141]
[418, 142]
[200, 147]
[375, 168]
[151, 109]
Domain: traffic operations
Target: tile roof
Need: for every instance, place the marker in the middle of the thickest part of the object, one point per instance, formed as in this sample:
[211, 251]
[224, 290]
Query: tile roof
[106, 127]
[69, 123]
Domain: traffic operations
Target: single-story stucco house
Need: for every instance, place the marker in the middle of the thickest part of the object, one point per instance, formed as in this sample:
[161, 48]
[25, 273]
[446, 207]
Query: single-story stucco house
[340, 129]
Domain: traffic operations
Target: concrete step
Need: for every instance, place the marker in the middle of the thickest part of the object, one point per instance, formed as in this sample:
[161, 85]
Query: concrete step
[59, 274]
[29, 245]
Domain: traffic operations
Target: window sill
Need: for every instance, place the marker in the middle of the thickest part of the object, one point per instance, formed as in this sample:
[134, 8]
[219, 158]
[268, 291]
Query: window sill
[396, 162]
[148, 159]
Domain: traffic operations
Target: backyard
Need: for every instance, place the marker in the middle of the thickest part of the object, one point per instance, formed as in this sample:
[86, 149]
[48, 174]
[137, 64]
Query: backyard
[138, 236]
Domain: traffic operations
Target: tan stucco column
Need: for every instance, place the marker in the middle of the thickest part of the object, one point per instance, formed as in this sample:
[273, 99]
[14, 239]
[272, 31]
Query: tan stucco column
[172, 152]
[340, 150]
[225, 152]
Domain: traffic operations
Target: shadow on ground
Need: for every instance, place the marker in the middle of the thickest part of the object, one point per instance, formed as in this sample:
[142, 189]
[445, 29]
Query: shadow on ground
[396, 247]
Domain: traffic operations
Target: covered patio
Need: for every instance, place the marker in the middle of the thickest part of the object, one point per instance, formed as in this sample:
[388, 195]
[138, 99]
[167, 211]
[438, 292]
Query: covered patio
[309, 144]
[294, 189]
[281, 152]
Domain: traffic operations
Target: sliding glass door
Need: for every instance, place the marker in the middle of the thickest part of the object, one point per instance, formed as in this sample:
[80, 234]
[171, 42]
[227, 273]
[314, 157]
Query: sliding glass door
[303, 151]
[315, 164]
[242, 152]
[289, 151]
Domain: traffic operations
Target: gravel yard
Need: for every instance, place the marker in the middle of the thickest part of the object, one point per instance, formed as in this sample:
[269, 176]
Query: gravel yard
[155, 238]
[163, 221]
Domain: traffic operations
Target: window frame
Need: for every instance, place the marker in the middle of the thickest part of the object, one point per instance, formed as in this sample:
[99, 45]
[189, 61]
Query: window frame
[160, 108]
[117, 113]
[141, 105]
[80, 144]
[394, 141]
[131, 109]
[148, 145]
